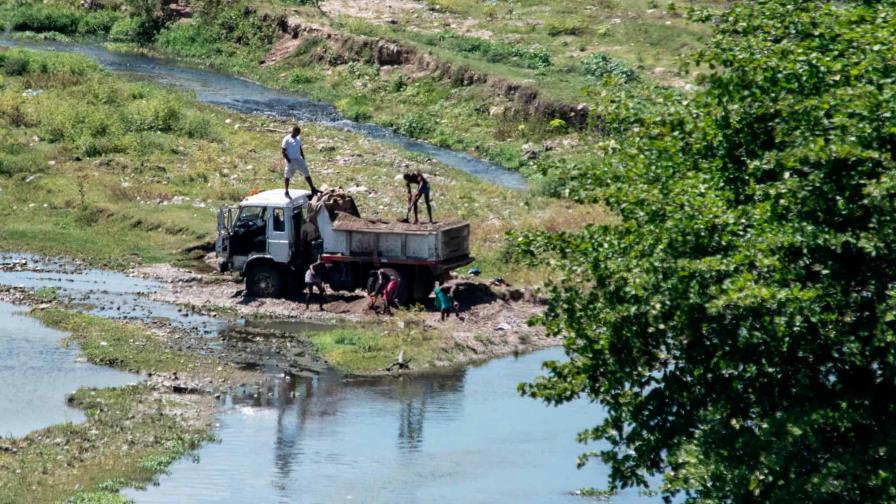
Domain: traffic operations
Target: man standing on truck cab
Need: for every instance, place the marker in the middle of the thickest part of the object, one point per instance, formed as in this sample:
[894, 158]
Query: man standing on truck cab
[291, 147]
[422, 190]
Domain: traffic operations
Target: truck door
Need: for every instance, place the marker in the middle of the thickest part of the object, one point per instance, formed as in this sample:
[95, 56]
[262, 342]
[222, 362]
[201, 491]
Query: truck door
[225, 223]
[279, 233]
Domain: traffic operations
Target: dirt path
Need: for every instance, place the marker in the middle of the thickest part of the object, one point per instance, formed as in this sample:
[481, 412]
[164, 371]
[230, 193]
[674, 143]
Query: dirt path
[381, 11]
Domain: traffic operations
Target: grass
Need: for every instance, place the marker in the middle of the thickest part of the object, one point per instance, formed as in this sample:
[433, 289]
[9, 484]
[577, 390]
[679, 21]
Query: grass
[132, 348]
[131, 435]
[118, 173]
[368, 349]
[551, 46]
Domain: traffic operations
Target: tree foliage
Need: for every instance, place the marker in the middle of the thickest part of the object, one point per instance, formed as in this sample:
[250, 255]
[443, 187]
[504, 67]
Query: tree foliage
[739, 325]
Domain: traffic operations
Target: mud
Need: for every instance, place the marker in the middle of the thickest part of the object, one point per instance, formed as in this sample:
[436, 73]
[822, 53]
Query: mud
[493, 321]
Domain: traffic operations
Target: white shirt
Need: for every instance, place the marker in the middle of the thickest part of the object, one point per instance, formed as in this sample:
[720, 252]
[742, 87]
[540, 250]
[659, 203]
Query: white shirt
[293, 147]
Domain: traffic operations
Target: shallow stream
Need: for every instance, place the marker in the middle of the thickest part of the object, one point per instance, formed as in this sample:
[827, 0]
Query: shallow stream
[36, 374]
[249, 97]
[458, 436]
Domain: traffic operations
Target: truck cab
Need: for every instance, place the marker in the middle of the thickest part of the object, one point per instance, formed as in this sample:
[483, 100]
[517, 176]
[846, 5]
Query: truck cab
[266, 239]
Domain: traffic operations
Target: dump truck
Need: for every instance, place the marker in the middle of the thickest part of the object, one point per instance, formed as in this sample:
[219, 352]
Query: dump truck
[271, 240]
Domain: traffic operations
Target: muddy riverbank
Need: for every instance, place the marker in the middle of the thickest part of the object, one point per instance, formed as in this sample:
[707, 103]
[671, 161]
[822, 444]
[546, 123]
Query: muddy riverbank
[493, 321]
[208, 314]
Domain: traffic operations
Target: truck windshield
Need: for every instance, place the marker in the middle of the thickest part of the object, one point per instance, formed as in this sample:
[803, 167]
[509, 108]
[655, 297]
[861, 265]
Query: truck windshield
[252, 215]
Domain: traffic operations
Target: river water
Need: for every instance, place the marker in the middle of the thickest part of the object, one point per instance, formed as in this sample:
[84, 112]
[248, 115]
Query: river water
[459, 436]
[465, 436]
[249, 97]
[102, 293]
[37, 373]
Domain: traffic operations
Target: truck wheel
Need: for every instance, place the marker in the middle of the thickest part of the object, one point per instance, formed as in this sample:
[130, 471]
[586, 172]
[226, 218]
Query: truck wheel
[406, 289]
[264, 281]
[426, 283]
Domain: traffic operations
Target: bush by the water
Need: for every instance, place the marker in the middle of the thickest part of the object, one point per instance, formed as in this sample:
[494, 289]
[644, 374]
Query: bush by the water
[739, 324]
[36, 17]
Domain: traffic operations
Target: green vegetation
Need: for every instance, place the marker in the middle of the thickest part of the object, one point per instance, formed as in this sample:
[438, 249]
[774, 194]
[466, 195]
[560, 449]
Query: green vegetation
[738, 324]
[59, 18]
[371, 349]
[118, 172]
[131, 435]
[46, 294]
[471, 51]
[132, 348]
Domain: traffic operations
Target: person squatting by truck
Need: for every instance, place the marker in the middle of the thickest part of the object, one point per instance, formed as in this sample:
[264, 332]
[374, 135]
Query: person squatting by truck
[445, 302]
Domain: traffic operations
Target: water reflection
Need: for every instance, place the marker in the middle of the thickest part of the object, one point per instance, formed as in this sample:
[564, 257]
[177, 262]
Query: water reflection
[464, 436]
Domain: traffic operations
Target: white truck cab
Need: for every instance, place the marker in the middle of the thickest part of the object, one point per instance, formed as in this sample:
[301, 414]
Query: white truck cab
[266, 228]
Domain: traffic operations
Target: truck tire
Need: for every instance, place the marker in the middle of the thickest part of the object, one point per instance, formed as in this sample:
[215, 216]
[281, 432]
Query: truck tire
[264, 281]
[426, 284]
[406, 289]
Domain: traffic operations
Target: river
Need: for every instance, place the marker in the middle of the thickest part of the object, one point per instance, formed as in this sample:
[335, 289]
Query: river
[461, 436]
[246, 96]
[464, 436]
[37, 373]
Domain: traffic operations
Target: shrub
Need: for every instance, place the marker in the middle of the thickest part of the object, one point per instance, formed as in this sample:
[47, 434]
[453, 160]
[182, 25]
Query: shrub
[41, 18]
[355, 108]
[415, 126]
[601, 66]
[12, 164]
[136, 29]
[195, 125]
[303, 76]
[98, 22]
[154, 114]
[238, 27]
[91, 146]
[15, 65]
[11, 110]
[189, 40]
[564, 27]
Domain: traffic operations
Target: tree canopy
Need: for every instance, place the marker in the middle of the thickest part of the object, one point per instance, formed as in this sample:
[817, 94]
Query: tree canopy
[739, 324]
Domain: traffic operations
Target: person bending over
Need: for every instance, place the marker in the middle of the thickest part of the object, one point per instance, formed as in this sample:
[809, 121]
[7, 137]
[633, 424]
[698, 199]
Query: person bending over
[414, 198]
[314, 278]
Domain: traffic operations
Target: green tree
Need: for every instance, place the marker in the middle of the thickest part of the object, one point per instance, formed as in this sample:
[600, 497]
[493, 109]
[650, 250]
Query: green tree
[739, 325]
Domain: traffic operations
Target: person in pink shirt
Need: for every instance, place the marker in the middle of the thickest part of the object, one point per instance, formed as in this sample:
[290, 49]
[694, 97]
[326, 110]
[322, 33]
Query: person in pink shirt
[390, 295]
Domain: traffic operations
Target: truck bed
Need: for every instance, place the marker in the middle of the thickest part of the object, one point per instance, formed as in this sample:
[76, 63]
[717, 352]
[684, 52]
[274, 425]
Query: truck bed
[346, 222]
[393, 240]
